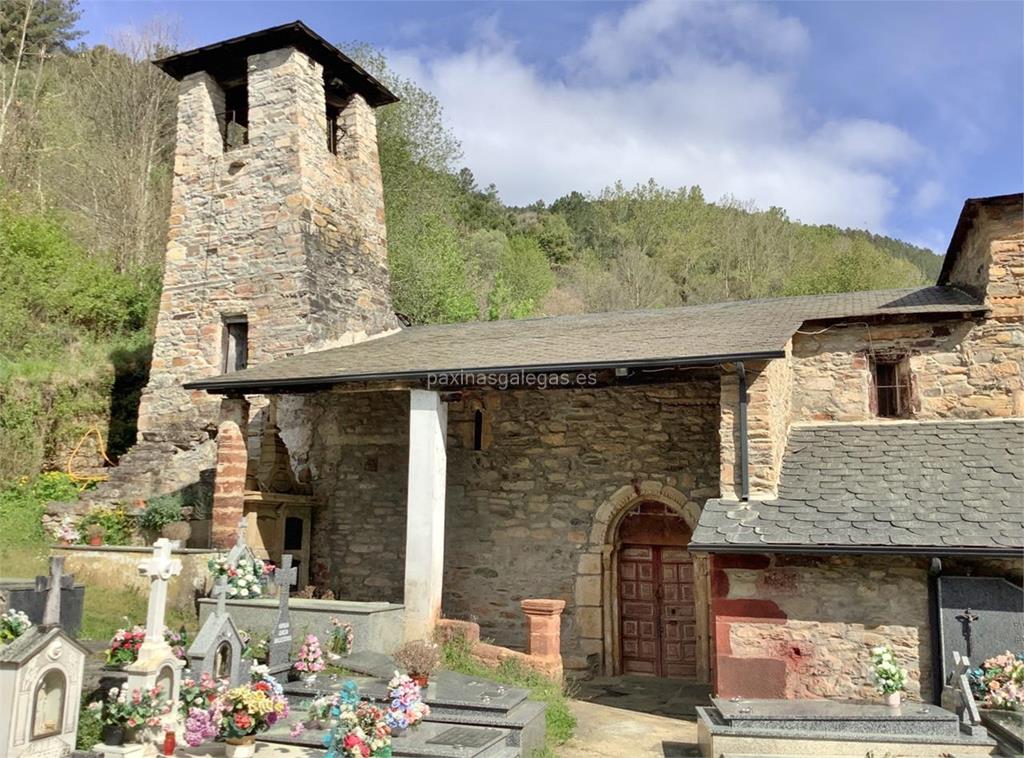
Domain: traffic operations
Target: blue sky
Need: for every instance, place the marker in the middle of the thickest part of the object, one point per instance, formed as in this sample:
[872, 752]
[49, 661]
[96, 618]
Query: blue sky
[878, 115]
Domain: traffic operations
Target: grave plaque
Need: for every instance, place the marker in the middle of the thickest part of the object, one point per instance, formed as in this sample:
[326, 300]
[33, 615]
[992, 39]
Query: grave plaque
[980, 617]
[465, 736]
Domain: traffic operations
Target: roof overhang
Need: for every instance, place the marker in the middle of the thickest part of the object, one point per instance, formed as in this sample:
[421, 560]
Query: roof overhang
[963, 225]
[227, 60]
[938, 551]
[223, 385]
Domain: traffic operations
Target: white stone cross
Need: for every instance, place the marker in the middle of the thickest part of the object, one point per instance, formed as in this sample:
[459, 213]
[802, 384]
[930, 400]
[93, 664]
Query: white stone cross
[220, 591]
[241, 544]
[51, 613]
[160, 568]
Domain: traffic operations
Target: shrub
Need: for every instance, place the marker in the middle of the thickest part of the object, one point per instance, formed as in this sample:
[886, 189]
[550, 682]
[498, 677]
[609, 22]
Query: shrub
[89, 727]
[160, 511]
[418, 657]
[117, 525]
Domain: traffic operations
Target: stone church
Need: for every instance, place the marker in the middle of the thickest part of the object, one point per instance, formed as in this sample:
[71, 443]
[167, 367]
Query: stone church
[750, 494]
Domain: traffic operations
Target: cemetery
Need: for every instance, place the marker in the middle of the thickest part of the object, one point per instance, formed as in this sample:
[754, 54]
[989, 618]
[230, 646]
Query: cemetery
[806, 512]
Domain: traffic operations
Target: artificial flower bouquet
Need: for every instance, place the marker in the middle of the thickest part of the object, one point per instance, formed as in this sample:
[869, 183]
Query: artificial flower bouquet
[311, 658]
[246, 578]
[341, 639]
[406, 707]
[238, 713]
[125, 644]
[359, 729]
[199, 693]
[888, 675]
[13, 624]
[132, 710]
[999, 682]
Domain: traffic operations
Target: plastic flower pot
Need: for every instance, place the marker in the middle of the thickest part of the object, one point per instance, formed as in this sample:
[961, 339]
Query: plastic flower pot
[421, 679]
[892, 699]
[112, 734]
[243, 747]
[96, 540]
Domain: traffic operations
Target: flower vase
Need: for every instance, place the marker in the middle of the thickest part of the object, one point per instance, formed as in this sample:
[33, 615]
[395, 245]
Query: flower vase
[892, 699]
[95, 541]
[112, 734]
[399, 731]
[310, 679]
[423, 680]
[243, 747]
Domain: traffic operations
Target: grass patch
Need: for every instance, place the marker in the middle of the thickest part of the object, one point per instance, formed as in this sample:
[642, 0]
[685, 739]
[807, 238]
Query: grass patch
[456, 656]
[108, 610]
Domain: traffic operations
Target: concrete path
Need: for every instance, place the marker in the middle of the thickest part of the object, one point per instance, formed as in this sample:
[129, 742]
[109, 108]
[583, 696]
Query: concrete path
[606, 732]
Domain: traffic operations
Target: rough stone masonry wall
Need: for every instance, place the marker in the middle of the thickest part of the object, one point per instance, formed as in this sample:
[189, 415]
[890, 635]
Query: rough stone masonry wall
[519, 513]
[959, 369]
[769, 411]
[803, 627]
[279, 230]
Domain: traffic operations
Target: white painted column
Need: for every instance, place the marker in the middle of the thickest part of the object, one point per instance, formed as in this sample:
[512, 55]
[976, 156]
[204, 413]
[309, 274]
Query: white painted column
[424, 530]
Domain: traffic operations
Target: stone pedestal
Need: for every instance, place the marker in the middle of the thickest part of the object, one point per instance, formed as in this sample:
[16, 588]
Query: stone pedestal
[544, 627]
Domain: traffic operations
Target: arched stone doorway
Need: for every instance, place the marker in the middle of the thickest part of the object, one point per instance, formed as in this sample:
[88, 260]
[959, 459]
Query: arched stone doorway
[643, 529]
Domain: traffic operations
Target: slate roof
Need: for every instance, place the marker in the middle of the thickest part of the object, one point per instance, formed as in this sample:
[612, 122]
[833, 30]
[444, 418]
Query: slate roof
[944, 487]
[665, 337]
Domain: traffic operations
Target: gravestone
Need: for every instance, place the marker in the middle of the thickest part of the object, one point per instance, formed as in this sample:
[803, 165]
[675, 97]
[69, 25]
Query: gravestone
[280, 648]
[156, 663]
[241, 546]
[41, 677]
[217, 649]
[980, 617]
[29, 597]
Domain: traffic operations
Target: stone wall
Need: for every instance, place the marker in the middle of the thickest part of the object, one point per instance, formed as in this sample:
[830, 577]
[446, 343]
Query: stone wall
[959, 369]
[519, 512]
[795, 627]
[990, 264]
[278, 230]
[769, 411]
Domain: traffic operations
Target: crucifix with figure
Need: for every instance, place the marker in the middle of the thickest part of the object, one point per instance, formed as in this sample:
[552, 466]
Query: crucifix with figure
[966, 619]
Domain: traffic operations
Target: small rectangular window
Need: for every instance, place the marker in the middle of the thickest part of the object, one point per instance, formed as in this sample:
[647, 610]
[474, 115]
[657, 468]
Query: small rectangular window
[235, 124]
[332, 128]
[236, 343]
[891, 378]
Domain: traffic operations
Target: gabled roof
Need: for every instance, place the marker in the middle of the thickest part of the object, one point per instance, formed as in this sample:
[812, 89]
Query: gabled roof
[963, 225]
[928, 487]
[20, 650]
[211, 633]
[701, 334]
[227, 60]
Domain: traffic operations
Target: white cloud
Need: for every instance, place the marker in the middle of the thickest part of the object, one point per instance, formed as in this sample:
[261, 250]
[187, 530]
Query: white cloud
[684, 93]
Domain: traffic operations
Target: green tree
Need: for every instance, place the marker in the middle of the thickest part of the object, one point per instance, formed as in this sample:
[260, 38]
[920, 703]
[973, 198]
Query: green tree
[48, 26]
[523, 279]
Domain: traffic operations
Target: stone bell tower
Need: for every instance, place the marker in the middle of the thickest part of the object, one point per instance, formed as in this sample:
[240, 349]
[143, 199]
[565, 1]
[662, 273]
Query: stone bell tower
[276, 243]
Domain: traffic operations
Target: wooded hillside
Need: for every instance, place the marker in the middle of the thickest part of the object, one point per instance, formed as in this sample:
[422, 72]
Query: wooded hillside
[86, 145]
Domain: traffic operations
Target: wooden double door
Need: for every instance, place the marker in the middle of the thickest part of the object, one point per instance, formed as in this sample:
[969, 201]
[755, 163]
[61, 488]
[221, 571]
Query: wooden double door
[658, 623]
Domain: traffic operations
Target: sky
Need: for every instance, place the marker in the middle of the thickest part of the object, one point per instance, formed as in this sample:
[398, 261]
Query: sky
[876, 115]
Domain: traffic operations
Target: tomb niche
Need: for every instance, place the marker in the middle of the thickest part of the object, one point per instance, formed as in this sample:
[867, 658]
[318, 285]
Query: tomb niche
[41, 681]
[218, 647]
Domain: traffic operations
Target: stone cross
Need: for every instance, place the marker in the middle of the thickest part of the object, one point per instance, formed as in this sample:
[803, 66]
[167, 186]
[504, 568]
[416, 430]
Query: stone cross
[281, 641]
[220, 592]
[284, 577]
[241, 544]
[52, 586]
[160, 568]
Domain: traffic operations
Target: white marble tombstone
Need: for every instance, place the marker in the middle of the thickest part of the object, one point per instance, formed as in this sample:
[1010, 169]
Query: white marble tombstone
[41, 684]
[156, 662]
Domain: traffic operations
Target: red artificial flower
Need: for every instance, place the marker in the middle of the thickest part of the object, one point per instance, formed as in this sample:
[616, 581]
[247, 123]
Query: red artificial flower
[243, 720]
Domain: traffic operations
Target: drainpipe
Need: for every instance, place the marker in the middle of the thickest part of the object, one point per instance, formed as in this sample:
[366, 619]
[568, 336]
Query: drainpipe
[934, 616]
[744, 454]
